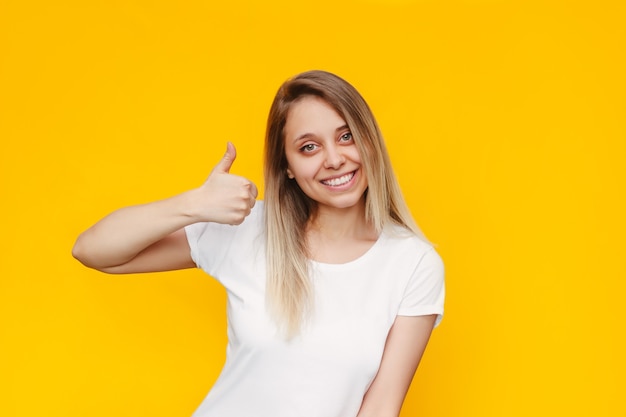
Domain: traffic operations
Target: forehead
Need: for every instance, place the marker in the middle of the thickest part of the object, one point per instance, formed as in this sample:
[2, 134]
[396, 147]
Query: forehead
[311, 115]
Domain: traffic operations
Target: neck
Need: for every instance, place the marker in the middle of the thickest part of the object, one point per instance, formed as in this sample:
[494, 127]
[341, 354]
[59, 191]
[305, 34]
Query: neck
[333, 223]
[338, 236]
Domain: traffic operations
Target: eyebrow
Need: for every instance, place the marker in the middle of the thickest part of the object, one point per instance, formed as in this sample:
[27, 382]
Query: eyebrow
[310, 135]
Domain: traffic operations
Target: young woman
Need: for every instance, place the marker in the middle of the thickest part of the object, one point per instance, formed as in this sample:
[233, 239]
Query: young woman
[332, 291]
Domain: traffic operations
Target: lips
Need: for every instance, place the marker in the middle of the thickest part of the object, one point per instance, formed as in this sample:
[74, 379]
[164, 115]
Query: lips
[339, 181]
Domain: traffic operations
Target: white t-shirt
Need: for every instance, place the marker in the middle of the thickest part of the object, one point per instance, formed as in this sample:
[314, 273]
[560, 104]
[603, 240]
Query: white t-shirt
[326, 370]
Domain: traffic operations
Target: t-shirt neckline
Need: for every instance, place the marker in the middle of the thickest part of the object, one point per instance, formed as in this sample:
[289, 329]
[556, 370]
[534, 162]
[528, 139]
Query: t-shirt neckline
[355, 262]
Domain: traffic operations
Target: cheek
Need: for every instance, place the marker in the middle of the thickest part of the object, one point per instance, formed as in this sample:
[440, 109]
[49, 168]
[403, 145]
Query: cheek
[300, 167]
[354, 154]
[304, 171]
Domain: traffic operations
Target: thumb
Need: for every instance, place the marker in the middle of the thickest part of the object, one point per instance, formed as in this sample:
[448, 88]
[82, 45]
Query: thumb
[227, 160]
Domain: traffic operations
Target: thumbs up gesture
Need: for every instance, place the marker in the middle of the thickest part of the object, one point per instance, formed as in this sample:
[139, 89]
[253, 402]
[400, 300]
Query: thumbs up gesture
[226, 198]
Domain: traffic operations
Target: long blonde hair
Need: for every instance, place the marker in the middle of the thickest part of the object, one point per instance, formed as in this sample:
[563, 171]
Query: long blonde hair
[288, 209]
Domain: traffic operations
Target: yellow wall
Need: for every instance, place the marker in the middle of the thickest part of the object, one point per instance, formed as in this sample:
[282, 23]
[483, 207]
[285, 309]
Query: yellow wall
[505, 120]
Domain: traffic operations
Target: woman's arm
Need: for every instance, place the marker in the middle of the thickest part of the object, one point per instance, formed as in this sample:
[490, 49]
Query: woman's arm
[405, 346]
[150, 237]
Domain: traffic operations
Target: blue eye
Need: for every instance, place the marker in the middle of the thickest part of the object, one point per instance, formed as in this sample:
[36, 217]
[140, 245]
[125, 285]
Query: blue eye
[308, 148]
[346, 137]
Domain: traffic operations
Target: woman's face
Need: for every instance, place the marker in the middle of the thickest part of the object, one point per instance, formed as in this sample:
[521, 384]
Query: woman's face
[322, 156]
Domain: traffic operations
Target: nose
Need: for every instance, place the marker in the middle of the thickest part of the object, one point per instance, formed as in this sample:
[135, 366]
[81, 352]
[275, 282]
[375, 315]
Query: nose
[334, 157]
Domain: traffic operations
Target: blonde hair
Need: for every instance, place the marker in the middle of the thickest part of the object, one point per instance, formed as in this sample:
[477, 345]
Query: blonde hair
[288, 209]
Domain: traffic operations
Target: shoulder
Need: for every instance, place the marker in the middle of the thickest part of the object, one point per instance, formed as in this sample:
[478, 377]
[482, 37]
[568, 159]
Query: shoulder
[212, 243]
[424, 274]
[403, 240]
[410, 253]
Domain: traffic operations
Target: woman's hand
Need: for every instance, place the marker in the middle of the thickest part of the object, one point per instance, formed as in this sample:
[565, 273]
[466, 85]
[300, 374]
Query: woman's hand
[224, 197]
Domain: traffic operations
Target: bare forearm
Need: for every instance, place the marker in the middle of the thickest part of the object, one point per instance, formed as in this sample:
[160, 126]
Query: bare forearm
[121, 235]
[405, 345]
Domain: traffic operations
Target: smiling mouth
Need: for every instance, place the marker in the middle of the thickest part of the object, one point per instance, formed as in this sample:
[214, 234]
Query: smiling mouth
[336, 182]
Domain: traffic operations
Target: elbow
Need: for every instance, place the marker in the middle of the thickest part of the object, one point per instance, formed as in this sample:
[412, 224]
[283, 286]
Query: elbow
[80, 253]
[93, 258]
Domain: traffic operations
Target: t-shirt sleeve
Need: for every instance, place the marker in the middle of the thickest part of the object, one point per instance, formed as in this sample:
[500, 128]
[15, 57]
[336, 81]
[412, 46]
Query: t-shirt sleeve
[425, 291]
[209, 244]
[215, 246]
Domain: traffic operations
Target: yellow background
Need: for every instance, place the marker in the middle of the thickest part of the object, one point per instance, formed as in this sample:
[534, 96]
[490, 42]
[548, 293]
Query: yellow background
[506, 124]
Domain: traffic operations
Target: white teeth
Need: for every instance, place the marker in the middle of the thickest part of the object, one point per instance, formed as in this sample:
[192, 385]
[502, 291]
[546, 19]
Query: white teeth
[339, 181]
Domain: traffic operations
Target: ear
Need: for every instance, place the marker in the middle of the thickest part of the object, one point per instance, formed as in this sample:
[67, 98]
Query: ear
[290, 174]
